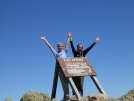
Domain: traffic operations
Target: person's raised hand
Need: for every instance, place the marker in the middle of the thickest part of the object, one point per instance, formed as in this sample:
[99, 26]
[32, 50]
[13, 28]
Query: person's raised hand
[70, 34]
[43, 38]
[97, 39]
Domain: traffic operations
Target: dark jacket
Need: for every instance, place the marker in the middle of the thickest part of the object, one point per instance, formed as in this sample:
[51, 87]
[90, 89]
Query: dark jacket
[83, 53]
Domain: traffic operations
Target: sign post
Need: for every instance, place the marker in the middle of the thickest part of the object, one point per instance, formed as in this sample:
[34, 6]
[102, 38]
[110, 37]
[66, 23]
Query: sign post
[73, 67]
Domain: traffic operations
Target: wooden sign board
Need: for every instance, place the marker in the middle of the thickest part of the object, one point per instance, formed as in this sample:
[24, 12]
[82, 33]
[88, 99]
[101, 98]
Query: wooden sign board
[73, 67]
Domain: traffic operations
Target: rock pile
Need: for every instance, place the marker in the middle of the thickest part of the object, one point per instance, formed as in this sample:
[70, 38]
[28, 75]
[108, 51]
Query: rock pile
[35, 96]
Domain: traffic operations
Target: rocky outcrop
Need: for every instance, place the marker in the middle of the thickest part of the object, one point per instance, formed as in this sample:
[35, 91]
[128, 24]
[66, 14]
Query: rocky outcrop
[35, 96]
[108, 99]
[93, 97]
[97, 96]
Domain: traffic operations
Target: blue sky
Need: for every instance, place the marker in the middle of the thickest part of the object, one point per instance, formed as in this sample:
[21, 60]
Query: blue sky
[26, 62]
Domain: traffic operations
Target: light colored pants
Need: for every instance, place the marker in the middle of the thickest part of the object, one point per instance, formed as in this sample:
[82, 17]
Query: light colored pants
[64, 82]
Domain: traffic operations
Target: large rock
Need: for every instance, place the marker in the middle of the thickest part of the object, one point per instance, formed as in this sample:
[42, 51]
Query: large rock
[93, 97]
[32, 96]
[97, 96]
[127, 97]
[108, 99]
[8, 99]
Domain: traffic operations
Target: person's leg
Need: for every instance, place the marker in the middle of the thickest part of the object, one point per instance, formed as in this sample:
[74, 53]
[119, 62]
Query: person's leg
[80, 86]
[64, 82]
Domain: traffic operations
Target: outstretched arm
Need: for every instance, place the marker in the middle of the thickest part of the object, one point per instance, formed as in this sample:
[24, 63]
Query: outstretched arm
[72, 46]
[68, 39]
[44, 38]
[90, 47]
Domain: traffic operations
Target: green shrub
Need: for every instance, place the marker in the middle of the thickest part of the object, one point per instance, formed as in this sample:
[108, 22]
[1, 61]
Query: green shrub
[32, 96]
[45, 97]
[8, 99]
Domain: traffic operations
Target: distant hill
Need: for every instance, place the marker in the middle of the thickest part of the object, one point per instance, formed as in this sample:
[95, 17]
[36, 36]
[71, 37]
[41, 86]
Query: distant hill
[127, 97]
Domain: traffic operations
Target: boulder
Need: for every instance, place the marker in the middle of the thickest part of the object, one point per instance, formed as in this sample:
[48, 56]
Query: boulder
[108, 99]
[97, 96]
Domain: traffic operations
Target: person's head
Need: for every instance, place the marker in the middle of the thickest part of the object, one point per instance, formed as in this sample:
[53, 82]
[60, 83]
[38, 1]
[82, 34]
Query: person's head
[60, 46]
[79, 47]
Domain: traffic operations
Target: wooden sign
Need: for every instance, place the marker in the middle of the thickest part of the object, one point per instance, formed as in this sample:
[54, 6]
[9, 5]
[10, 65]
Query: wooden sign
[76, 67]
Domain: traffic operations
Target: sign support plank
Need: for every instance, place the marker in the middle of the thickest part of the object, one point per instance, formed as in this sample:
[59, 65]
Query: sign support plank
[74, 88]
[98, 85]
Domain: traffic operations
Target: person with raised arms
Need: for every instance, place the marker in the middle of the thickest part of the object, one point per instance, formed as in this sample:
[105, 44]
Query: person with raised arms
[62, 54]
[80, 53]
